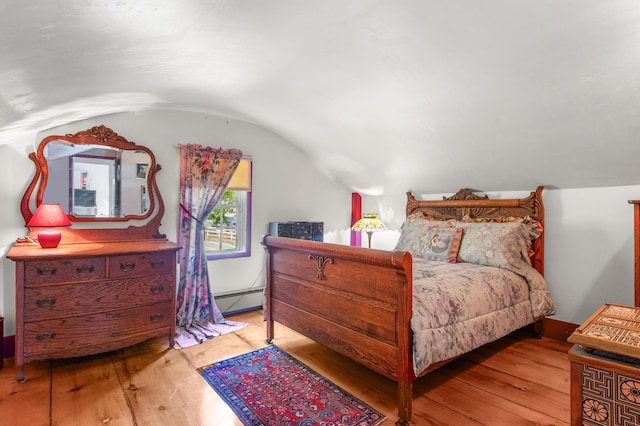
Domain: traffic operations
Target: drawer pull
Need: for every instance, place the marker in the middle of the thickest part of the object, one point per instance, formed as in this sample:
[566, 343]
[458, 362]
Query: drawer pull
[45, 336]
[40, 303]
[127, 266]
[47, 271]
[157, 289]
[156, 317]
[157, 264]
[85, 269]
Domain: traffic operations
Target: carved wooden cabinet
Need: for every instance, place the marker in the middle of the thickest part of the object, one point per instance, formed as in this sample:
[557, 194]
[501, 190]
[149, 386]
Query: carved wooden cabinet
[83, 299]
[604, 390]
[605, 368]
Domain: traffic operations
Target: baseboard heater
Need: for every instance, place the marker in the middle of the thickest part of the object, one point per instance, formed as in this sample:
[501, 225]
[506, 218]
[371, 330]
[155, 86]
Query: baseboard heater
[239, 293]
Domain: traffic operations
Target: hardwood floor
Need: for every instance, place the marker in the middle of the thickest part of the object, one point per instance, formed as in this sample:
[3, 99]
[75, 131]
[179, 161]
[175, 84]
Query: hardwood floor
[515, 381]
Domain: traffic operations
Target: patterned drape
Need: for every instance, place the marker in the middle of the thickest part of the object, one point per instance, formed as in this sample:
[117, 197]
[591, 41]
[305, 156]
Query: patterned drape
[205, 172]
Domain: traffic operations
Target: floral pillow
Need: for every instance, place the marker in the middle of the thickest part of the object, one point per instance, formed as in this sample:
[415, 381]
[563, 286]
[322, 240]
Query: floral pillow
[503, 245]
[442, 244]
[414, 233]
[533, 228]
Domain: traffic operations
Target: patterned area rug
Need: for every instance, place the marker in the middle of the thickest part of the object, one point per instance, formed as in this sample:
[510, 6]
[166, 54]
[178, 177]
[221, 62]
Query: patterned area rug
[269, 387]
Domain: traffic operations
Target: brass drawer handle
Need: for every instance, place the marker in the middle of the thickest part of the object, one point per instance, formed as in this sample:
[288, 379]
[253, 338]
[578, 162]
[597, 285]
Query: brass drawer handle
[156, 289]
[157, 264]
[85, 269]
[156, 317]
[47, 271]
[45, 302]
[45, 336]
[127, 266]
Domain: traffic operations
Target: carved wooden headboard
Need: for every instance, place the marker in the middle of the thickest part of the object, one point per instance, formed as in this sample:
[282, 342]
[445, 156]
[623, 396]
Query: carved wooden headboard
[466, 203]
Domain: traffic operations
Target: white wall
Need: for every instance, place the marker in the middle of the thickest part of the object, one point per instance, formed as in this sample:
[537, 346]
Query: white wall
[589, 248]
[588, 243]
[16, 171]
[589, 232]
[286, 186]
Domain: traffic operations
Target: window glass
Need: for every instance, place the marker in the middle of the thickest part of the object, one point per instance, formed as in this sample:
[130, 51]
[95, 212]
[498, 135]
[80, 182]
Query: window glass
[226, 229]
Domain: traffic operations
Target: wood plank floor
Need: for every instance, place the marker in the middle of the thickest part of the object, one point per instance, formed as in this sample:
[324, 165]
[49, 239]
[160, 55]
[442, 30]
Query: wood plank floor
[515, 381]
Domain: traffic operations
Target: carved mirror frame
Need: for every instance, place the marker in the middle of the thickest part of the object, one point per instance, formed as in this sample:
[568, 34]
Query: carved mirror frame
[103, 228]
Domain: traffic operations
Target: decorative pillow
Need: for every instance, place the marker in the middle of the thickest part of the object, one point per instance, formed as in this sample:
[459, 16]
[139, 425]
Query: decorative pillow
[414, 230]
[534, 227]
[503, 245]
[442, 244]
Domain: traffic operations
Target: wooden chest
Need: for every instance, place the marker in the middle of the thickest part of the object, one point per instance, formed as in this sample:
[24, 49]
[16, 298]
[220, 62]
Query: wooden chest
[83, 299]
[605, 368]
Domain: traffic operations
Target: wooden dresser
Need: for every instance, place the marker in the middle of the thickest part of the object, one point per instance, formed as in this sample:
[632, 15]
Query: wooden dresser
[111, 282]
[83, 299]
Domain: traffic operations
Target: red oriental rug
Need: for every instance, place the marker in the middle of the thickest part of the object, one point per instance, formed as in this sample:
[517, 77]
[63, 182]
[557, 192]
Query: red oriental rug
[270, 387]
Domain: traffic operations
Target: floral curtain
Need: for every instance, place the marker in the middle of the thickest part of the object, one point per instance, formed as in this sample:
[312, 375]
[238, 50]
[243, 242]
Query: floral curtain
[205, 172]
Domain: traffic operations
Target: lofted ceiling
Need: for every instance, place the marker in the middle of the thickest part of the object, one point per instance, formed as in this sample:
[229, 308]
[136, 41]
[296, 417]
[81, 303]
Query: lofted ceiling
[384, 95]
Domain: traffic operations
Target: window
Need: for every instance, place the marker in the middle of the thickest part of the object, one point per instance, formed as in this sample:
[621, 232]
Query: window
[227, 230]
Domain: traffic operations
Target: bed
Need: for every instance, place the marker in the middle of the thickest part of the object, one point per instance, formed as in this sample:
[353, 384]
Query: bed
[406, 312]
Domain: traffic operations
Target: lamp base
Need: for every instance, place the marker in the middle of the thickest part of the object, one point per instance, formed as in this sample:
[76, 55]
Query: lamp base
[49, 238]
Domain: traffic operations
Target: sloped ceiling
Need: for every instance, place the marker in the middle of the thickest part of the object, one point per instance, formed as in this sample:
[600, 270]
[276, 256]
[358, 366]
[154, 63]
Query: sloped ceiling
[385, 95]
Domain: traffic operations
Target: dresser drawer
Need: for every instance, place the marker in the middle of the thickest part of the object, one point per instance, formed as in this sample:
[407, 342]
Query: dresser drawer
[72, 334]
[135, 265]
[57, 301]
[64, 270]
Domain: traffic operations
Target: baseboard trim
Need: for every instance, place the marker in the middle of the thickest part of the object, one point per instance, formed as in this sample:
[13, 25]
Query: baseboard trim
[242, 311]
[558, 330]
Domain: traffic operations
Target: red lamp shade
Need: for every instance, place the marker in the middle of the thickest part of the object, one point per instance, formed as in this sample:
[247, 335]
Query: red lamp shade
[49, 215]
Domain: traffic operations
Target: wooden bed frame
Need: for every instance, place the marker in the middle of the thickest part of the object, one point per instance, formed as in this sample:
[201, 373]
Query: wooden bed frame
[357, 301]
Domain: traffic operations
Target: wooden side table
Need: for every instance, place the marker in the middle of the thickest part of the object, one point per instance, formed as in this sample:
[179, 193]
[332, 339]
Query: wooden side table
[605, 368]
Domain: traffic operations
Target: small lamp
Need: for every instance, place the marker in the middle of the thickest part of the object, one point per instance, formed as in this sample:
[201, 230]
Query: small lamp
[49, 216]
[369, 224]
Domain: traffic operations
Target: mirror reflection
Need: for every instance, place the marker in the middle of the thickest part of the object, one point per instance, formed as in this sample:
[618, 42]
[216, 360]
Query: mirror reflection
[96, 181]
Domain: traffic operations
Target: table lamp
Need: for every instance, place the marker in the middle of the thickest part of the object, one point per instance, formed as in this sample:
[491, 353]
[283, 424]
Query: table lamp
[49, 216]
[369, 224]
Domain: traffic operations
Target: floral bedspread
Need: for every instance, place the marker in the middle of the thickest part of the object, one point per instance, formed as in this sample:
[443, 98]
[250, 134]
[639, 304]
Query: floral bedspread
[460, 307]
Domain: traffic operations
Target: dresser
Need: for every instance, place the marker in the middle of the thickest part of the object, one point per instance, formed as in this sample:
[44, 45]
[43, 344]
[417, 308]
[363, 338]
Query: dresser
[111, 281]
[83, 299]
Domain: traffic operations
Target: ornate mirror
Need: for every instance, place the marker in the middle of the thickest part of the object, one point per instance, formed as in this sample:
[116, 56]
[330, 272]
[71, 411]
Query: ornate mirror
[96, 176]
[94, 182]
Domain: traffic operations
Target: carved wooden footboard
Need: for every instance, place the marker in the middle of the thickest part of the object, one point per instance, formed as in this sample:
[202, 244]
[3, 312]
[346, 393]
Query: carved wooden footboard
[354, 300]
